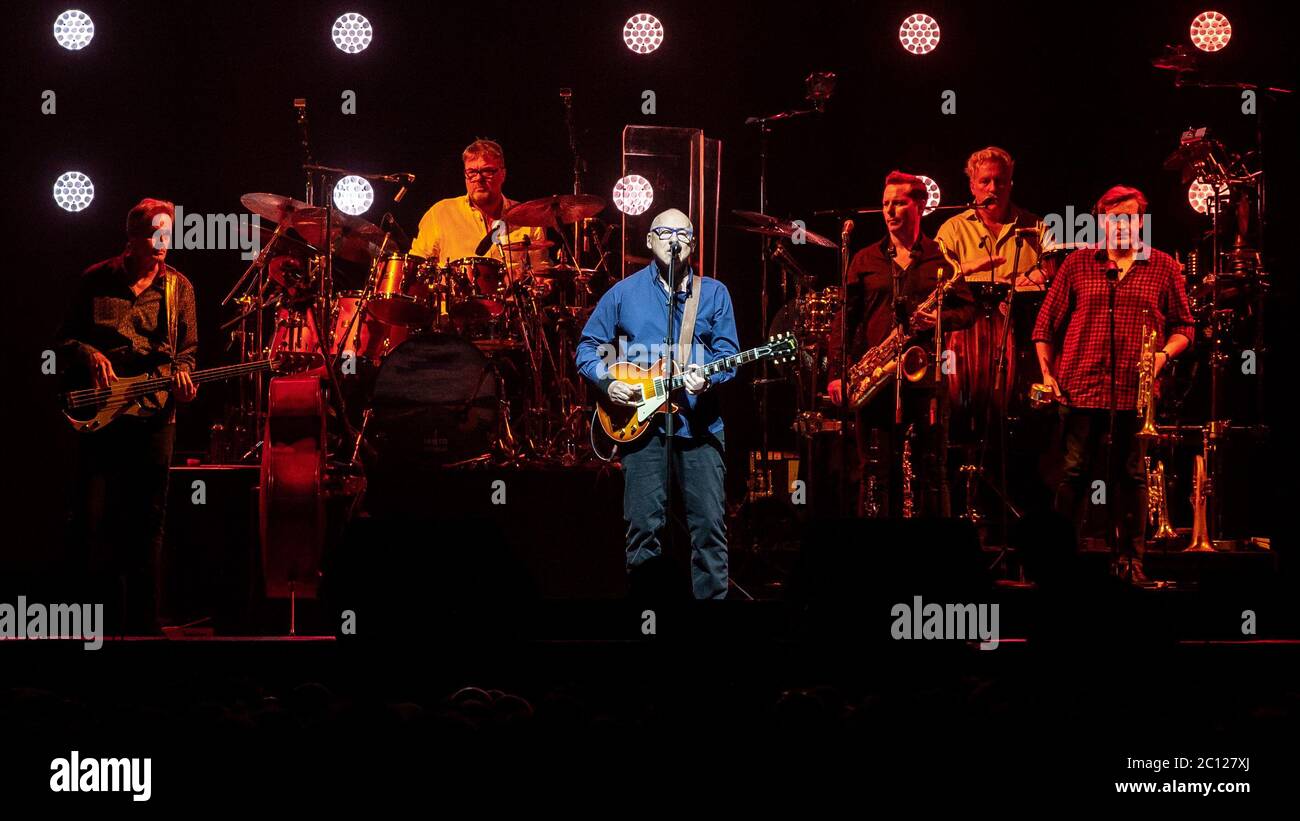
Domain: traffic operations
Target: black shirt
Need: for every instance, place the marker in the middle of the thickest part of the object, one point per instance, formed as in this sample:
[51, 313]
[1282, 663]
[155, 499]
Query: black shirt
[129, 329]
[870, 294]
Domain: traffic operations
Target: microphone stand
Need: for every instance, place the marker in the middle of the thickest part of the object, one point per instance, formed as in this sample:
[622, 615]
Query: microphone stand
[1001, 389]
[1112, 281]
[674, 248]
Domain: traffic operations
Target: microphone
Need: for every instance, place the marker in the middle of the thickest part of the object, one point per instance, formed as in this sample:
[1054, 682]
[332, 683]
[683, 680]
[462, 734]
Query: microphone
[848, 229]
[401, 192]
[566, 96]
[1027, 232]
[985, 203]
[1112, 270]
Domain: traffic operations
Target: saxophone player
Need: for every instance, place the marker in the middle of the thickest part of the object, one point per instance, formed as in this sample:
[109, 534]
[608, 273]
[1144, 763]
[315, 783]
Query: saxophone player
[1091, 376]
[887, 281]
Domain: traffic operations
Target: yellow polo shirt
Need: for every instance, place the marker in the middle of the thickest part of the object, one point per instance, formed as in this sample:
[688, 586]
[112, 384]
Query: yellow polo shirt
[962, 234]
[453, 228]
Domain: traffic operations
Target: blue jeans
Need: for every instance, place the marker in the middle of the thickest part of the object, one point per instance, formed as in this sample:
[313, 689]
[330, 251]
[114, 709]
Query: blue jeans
[697, 464]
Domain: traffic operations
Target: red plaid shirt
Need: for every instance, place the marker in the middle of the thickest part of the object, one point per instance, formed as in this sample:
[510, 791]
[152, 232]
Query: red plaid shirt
[1076, 308]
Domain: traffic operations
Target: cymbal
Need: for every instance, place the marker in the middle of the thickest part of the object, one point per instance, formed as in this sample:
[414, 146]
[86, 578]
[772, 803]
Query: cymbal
[562, 272]
[287, 244]
[354, 238]
[551, 212]
[531, 245]
[277, 208]
[786, 230]
[756, 218]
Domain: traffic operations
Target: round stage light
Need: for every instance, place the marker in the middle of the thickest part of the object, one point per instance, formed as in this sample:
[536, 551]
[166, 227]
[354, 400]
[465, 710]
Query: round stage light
[633, 194]
[932, 194]
[1200, 195]
[1210, 31]
[919, 34]
[73, 29]
[352, 33]
[643, 33]
[353, 195]
[73, 191]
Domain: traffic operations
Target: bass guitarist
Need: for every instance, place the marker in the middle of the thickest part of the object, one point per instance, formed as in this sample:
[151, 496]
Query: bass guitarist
[130, 313]
[630, 324]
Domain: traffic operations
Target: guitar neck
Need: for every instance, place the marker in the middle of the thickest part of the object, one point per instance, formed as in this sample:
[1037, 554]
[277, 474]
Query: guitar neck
[220, 372]
[724, 364]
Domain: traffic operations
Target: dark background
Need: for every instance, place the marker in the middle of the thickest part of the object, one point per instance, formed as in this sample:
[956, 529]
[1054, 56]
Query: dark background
[192, 102]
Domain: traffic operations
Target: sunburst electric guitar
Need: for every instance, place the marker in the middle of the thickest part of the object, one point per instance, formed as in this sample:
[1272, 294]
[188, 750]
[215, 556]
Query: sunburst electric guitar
[626, 423]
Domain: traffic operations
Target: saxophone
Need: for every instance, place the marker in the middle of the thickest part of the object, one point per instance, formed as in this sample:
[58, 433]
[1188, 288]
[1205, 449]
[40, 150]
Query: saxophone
[908, 505]
[1146, 400]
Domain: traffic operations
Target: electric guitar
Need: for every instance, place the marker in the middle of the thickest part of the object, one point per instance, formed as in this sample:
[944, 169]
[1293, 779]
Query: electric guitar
[91, 409]
[626, 423]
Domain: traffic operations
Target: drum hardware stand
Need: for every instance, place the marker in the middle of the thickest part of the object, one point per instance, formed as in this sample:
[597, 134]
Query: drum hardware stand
[1001, 389]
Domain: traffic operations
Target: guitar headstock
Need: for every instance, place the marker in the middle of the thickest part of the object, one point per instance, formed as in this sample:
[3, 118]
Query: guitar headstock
[782, 347]
[288, 362]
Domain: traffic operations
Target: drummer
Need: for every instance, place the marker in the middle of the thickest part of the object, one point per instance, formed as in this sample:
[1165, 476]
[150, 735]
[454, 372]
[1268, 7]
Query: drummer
[981, 241]
[466, 226]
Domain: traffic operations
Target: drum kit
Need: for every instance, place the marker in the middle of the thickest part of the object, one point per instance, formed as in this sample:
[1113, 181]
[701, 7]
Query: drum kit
[429, 362]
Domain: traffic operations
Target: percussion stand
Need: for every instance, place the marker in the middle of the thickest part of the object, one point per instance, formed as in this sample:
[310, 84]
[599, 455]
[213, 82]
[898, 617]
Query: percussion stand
[1000, 388]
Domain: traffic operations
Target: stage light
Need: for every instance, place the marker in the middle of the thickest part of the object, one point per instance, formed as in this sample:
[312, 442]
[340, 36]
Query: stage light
[353, 195]
[1210, 31]
[932, 194]
[73, 29]
[633, 194]
[352, 33]
[919, 34]
[1200, 195]
[643, 33]
[73, 191]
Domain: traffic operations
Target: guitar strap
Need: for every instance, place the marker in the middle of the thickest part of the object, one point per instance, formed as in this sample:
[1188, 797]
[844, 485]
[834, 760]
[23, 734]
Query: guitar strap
[687, 333]
[169, 305]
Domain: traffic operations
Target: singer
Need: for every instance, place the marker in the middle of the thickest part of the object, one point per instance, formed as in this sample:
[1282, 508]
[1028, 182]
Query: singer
[1091, 365]
[459, 227]
[633, 316]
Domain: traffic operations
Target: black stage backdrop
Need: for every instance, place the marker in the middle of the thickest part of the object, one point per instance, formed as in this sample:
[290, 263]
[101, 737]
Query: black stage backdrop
[193, 102]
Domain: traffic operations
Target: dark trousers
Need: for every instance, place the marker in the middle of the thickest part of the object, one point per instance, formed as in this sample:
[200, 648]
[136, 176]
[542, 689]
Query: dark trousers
[1084, 462]
[880, 453]
[699, 471]
[116, 523]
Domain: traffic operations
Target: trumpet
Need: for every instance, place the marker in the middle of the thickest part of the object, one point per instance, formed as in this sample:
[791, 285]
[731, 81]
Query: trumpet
[1146, 401]
[1158, 502]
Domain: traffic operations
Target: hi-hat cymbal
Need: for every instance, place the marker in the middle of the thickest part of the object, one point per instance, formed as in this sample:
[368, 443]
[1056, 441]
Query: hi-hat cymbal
[530, 245]
[553, 211]
[278, 208]
[786, 230]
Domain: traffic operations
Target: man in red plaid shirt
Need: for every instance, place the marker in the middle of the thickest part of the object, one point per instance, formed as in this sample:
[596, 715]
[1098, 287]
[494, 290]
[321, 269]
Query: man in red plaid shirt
[1073, 340]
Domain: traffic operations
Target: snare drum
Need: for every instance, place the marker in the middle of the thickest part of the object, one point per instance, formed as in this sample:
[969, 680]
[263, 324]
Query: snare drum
[398, 296]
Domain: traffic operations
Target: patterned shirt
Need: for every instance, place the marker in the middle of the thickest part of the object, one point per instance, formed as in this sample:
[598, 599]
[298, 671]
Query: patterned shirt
[1076, 310]
[129, 329]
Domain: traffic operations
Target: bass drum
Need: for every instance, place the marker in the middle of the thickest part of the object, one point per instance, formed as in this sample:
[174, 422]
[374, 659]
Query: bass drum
[435, 403]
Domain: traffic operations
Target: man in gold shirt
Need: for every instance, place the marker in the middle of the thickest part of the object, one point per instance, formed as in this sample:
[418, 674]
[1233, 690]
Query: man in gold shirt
[456, 227]
[981, 241]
